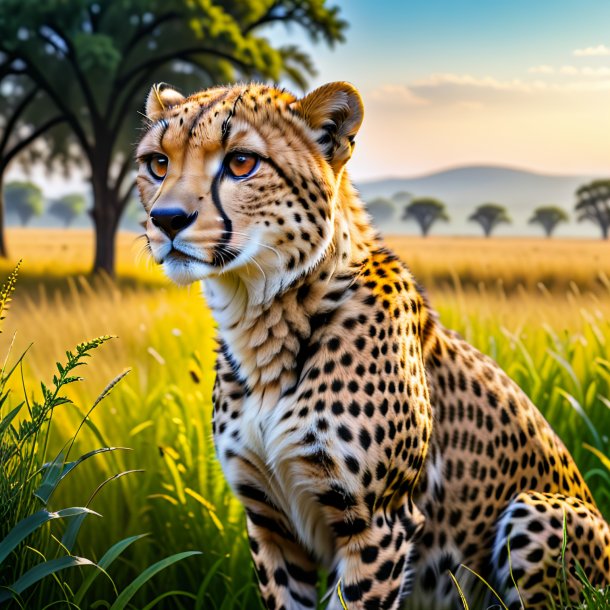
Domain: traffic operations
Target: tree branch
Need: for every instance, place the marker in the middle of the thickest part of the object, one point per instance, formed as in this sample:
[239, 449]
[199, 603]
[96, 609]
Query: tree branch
[155, 62]
[125, 167]
[22, 144]
[140, 34]
[12, 121]
[80, 77]
[125, 198]
[38, 78]
[270, 17]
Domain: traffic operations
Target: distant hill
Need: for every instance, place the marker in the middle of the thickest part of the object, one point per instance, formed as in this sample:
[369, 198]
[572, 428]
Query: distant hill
[463, 188]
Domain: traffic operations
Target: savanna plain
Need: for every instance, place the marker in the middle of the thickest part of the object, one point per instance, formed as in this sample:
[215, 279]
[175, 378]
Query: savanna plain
[540, 308]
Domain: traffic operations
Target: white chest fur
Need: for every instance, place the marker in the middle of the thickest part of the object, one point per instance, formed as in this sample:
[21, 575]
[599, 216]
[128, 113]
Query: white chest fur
[273, 444]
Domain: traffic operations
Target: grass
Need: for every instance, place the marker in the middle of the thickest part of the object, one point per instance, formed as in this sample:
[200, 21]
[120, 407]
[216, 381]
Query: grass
[553, 340]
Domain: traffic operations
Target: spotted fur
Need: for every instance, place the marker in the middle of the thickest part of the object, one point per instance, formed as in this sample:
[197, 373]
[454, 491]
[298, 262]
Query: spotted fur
[361, 436]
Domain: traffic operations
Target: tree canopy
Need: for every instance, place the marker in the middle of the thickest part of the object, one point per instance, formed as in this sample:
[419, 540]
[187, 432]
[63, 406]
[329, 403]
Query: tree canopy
[425, 211]
[402, 198]
[23, 199]
[548, 217]
[489, 216]
[68, 208]
[381, 209]
[593, 203]
[93, 62]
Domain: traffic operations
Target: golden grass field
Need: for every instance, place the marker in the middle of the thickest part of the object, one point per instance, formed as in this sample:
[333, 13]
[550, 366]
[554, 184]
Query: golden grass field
[540, 307]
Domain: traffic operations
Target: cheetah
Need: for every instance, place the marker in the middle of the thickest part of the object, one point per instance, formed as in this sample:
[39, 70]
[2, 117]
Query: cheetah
[364, 439]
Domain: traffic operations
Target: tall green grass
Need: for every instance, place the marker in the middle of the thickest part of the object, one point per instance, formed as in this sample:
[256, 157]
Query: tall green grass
[34, 554]
[555, 347]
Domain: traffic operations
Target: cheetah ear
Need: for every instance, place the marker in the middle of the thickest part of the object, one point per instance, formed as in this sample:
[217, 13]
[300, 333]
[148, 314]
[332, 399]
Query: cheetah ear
[335, 111]
[160, 98]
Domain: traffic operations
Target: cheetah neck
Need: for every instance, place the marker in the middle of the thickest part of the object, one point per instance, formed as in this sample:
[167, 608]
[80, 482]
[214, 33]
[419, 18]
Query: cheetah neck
[262, 334]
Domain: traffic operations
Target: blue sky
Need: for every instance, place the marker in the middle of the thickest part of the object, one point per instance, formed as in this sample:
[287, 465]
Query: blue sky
[390, 38]
[449, 83]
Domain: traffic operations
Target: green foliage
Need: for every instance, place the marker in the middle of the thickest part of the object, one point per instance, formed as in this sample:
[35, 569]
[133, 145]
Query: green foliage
[33, 559]
[23, 199]
[68, 208]
[489, 216]
[402, 198]
[381, 209]
[549, 217]
[425, 211]
[593, 204]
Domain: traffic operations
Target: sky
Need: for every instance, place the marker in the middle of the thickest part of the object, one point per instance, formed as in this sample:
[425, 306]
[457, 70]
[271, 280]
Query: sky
[447, 83]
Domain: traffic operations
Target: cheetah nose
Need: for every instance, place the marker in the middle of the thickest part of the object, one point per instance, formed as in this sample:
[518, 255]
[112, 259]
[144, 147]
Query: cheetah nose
[172, 220]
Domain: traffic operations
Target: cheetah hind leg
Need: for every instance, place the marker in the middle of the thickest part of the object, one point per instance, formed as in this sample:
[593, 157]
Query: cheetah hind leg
[528, 549]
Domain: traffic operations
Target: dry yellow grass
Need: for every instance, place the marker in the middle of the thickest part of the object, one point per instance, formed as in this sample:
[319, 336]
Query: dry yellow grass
[493, 281]
[558, 264]
[56, 253]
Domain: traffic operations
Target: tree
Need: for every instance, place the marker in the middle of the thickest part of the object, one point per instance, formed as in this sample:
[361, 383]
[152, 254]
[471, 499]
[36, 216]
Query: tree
[593, 203]
[489, 216]
[381, 209]
[24, 117]
[100, 59]
[23, 199]
[548, 217]
[402, 198]
[425, 211]
[68, 207]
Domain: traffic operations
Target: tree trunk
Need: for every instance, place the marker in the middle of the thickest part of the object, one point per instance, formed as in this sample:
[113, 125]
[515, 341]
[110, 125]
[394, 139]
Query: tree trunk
[3, 250]
[605, 231]
[106, 221]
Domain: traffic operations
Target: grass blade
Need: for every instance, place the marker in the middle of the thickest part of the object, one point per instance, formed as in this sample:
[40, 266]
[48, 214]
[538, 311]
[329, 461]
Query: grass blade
[41, 571]
[131, 589]
[57, 471]
[578, 408]
[28, 525]
[6, 421]
[104, 563]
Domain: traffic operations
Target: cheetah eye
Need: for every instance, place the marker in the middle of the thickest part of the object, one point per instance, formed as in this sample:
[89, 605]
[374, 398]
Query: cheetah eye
[241, 164]
[157, 166]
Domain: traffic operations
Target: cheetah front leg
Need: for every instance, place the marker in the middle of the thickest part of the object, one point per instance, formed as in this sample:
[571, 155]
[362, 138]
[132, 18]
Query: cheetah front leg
[373, 566]
[286, 573]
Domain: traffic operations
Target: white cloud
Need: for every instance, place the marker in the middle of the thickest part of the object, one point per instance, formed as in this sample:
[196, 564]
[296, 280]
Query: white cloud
[599, 71]
[486, 82]
[398, 93]
[515, 85]
[542, 69]
[601, 50]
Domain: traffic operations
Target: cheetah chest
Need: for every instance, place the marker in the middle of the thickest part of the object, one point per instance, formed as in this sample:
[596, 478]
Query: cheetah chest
[270, 439]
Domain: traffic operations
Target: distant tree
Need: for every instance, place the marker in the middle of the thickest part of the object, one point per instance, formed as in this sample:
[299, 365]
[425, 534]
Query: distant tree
[489, 216]
[425, 211]
[23, 199]
[593, 203]
[381, 209]
[548, 217]
[68, 207]
[402, 198]
[94, 62]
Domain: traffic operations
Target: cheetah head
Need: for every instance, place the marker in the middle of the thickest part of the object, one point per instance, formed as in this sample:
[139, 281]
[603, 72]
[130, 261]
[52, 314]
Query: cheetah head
[244, 179]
